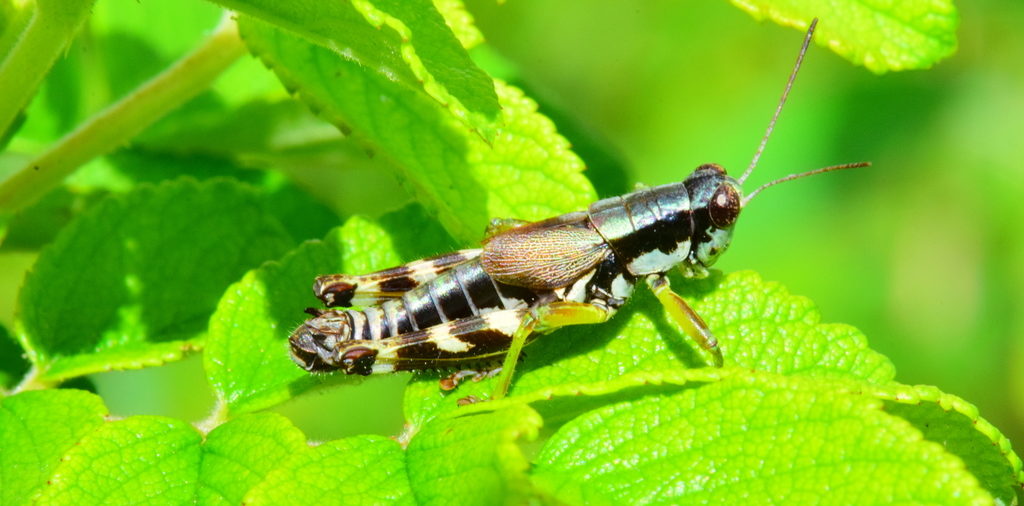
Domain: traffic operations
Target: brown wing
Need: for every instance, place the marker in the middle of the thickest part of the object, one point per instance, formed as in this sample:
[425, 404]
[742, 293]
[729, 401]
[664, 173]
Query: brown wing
[542, 258]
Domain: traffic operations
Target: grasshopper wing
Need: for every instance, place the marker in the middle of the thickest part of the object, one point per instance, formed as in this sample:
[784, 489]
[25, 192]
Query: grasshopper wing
[543, 258]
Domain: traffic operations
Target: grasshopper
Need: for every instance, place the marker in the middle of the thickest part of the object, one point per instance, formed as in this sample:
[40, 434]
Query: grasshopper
[478, 307]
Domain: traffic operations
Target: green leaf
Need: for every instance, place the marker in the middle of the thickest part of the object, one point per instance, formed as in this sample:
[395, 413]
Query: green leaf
[877, 34]
[37, 225]
[429, 44]
[473, 459]
[764, 439]
[407, 43]
[133, 281]
[244, 452]
[760, 325]
[451, 170]
[13, 365]
[247, 357]
[36, 429]
[142, 459]
[41, 37]
[56, 443]
[356, 470]
[957, 426]
[460, 21]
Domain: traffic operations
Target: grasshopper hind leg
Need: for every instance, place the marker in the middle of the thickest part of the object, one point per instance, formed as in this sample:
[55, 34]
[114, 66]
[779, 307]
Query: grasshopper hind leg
[344, 290]
[544, 319]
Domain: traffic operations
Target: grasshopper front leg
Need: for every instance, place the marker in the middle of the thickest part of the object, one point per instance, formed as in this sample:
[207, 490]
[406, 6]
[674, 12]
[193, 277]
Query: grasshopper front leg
[685, 316]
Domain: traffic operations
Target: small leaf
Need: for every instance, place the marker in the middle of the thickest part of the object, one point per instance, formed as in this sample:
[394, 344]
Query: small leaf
[878, 34]
[132, 461]
[764, 439]
[527, 171]
[242, 453]
[133, 281]
[759, 325]
[356, 470]
[247, 357]
[473, 459]
[36, 429]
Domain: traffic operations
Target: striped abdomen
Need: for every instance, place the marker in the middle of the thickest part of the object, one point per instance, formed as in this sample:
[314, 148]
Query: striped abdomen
[461, 292]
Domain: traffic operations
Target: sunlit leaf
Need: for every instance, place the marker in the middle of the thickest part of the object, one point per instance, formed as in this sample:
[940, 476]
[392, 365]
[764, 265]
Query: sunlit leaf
[357, 470]
[473, 459]
[734, 442]
[527, 171]
[36, 429]
[878, 34]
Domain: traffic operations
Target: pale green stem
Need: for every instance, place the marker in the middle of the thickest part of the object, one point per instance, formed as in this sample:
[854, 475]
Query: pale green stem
[48, 28]
[120, 122]
[218, 415]
[32, 381]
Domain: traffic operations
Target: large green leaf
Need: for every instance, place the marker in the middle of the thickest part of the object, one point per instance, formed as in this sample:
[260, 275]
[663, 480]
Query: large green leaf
[957, 426]
[138, 460]
[878, 34]
[453, 171]
[774, 439]
[133, 281]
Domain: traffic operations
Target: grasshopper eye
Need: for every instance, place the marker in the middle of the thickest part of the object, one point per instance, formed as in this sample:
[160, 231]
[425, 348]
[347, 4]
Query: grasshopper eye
[724, 206]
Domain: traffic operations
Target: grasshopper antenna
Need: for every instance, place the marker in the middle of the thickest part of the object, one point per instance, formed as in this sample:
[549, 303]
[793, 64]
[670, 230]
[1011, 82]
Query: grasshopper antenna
[782, 101]
[791, 177]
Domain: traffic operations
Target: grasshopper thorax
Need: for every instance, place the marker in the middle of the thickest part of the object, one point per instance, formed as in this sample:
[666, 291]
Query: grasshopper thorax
[685, 224]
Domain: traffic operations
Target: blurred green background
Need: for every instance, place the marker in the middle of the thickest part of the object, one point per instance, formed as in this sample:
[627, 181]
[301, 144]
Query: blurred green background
[924, 251]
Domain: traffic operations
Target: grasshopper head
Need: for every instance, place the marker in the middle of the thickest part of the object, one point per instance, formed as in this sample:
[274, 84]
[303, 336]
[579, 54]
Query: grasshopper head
[715, 203]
